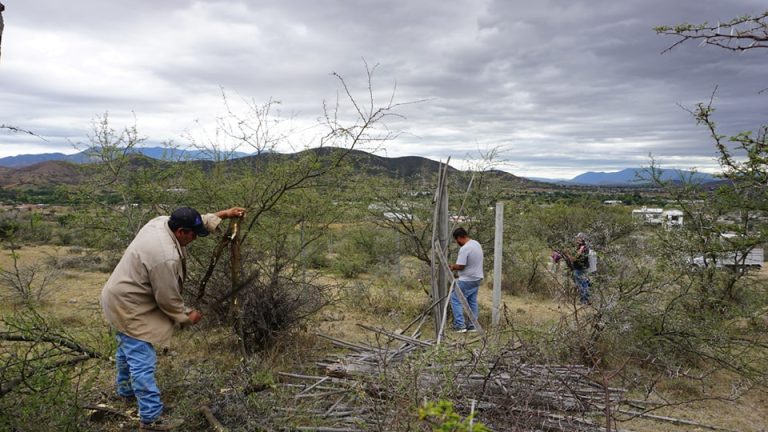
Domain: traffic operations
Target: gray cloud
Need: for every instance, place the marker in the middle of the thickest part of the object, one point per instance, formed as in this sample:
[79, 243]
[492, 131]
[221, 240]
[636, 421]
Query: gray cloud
[561, 87]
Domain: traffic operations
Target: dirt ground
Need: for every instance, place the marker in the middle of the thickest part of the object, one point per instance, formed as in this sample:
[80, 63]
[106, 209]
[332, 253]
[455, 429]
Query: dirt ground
[76, 301]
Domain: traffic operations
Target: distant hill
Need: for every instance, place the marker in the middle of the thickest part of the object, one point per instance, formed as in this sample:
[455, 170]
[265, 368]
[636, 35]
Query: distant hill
[631, 177]
[160, 153]
[408, 167]
[30, 159]
[413, 168]
[48, 173]
[548, 180]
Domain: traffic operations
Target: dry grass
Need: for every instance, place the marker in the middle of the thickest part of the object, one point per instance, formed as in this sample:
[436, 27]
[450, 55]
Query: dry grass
[373, 300]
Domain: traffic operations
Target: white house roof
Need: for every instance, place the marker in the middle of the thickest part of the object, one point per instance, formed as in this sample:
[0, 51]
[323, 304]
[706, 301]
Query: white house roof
[647, 210]
[673, 212]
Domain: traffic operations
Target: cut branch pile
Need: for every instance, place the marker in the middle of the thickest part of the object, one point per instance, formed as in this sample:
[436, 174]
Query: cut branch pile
[510, 394]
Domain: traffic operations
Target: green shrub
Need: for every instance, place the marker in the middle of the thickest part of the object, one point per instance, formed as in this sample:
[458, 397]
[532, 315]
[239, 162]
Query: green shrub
[442, 418]
[526, 271]
[390, 300]
[350, 266]
[362, 248]
[8, 227]
[318, 260]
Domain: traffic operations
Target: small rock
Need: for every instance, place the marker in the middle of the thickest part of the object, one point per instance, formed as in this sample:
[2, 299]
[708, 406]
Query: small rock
[332, 317]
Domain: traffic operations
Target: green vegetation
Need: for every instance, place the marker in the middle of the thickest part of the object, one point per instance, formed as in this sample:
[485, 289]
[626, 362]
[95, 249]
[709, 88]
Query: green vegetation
[443, 418]
[324, 247]
[332, 248]
[652, 314]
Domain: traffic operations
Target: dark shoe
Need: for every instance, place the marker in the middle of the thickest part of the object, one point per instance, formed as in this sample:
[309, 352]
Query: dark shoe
[161, 424]
[115, 398]
[472, 329]
[126, 399]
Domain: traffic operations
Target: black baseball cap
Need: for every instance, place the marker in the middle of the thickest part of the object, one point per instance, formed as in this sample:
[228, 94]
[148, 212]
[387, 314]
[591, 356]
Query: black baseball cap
[189, 218]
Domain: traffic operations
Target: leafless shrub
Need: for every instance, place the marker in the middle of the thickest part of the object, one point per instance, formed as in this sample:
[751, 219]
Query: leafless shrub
[27, 283]
[279, 306]
[275, 298]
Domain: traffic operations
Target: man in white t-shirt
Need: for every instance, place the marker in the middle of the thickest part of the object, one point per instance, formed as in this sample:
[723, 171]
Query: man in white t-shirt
[469, 264]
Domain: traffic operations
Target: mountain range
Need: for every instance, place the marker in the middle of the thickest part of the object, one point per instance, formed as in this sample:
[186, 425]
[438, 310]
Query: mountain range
[26, 169]
[161, 153]
[65, 170]
[630, 177]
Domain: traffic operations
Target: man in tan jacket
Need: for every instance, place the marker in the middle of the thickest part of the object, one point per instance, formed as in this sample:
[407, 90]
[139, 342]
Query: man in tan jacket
[142, 301]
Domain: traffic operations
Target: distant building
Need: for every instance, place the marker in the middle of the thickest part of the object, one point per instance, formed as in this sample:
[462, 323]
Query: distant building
[395, 216]
[457, 219]
[613, 202]
[672, 218]
[25, 207]
[651, 216]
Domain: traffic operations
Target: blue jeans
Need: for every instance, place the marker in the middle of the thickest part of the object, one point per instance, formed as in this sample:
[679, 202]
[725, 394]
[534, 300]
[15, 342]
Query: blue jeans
[136, 363]
[582, 283]
[469, 289]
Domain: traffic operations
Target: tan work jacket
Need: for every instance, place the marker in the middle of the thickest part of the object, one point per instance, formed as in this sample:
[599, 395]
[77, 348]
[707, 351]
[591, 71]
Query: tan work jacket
[142, 297]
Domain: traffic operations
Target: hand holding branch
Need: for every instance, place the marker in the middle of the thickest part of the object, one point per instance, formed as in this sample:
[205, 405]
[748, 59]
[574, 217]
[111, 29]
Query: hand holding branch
[234, 212]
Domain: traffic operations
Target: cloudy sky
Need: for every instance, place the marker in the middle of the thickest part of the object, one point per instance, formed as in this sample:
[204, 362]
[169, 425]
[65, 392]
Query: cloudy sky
[555, 87]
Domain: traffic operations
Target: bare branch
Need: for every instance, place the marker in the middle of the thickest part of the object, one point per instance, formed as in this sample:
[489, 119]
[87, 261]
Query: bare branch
[2, 24]
[739, 34]
[14, 128]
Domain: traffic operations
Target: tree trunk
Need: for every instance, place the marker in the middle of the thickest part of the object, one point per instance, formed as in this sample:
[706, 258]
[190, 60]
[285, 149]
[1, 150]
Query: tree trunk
[2, 25]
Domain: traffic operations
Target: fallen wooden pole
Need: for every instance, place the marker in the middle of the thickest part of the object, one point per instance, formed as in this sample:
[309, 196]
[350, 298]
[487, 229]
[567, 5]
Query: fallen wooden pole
[326, 429]
[399, 337]
[215, 424]
[672, 420]
[306, 390]
[425, 312]
[298, 376]
[107, 410]
[345, 344]
[444, 316]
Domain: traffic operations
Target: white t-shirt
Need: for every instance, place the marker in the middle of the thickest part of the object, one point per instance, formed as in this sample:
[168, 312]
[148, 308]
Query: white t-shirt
[471, 257]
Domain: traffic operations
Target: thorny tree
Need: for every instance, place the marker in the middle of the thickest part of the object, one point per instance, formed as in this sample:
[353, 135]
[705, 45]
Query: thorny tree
[732, 223]
[262, 286]
[739, 34]
[660, 316]
[2, 23]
